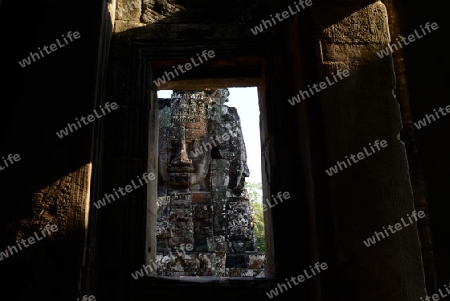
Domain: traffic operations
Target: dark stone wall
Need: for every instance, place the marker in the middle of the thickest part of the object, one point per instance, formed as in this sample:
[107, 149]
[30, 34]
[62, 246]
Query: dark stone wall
[424, 91]
[50, 184]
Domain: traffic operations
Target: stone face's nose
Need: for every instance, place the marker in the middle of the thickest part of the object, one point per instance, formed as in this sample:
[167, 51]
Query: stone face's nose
[181, 157]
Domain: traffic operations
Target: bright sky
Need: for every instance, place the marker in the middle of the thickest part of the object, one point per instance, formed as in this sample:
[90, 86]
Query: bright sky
[245, 100]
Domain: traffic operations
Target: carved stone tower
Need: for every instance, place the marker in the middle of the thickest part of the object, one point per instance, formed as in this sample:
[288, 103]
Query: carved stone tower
[203, 208]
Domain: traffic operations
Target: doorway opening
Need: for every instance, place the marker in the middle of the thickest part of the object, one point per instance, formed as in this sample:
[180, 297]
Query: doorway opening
[210, 219]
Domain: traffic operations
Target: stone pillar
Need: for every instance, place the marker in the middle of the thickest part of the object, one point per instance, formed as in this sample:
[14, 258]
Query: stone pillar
[376, 191]
[416, 170]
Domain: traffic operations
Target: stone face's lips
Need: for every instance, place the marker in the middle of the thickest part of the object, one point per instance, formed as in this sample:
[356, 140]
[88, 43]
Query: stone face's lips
[182, 177]
[180, 180]
[181, 170]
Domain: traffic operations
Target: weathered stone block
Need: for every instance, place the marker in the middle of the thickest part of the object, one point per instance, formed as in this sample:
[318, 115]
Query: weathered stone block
[220, 217]
[202, 211]
[203, 226]
[163, 230]
[356, 37]
[129, 10]
[367, 24]
[255, 260]
[233, 272]
[163, 210]
[239, 221]
[220, 173]
[240, 246]
[201, 198]
[216, 244]
[157, 10]
[235, 261]
[211, 264]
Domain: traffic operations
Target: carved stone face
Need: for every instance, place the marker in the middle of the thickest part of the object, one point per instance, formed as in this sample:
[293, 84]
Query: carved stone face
[183, 160]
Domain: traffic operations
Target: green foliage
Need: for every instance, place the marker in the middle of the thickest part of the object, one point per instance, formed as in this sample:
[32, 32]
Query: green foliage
[254, 191]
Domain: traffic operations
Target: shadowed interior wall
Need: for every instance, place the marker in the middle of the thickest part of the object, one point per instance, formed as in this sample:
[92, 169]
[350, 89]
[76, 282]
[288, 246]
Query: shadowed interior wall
[420, 91]
[51, 184]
